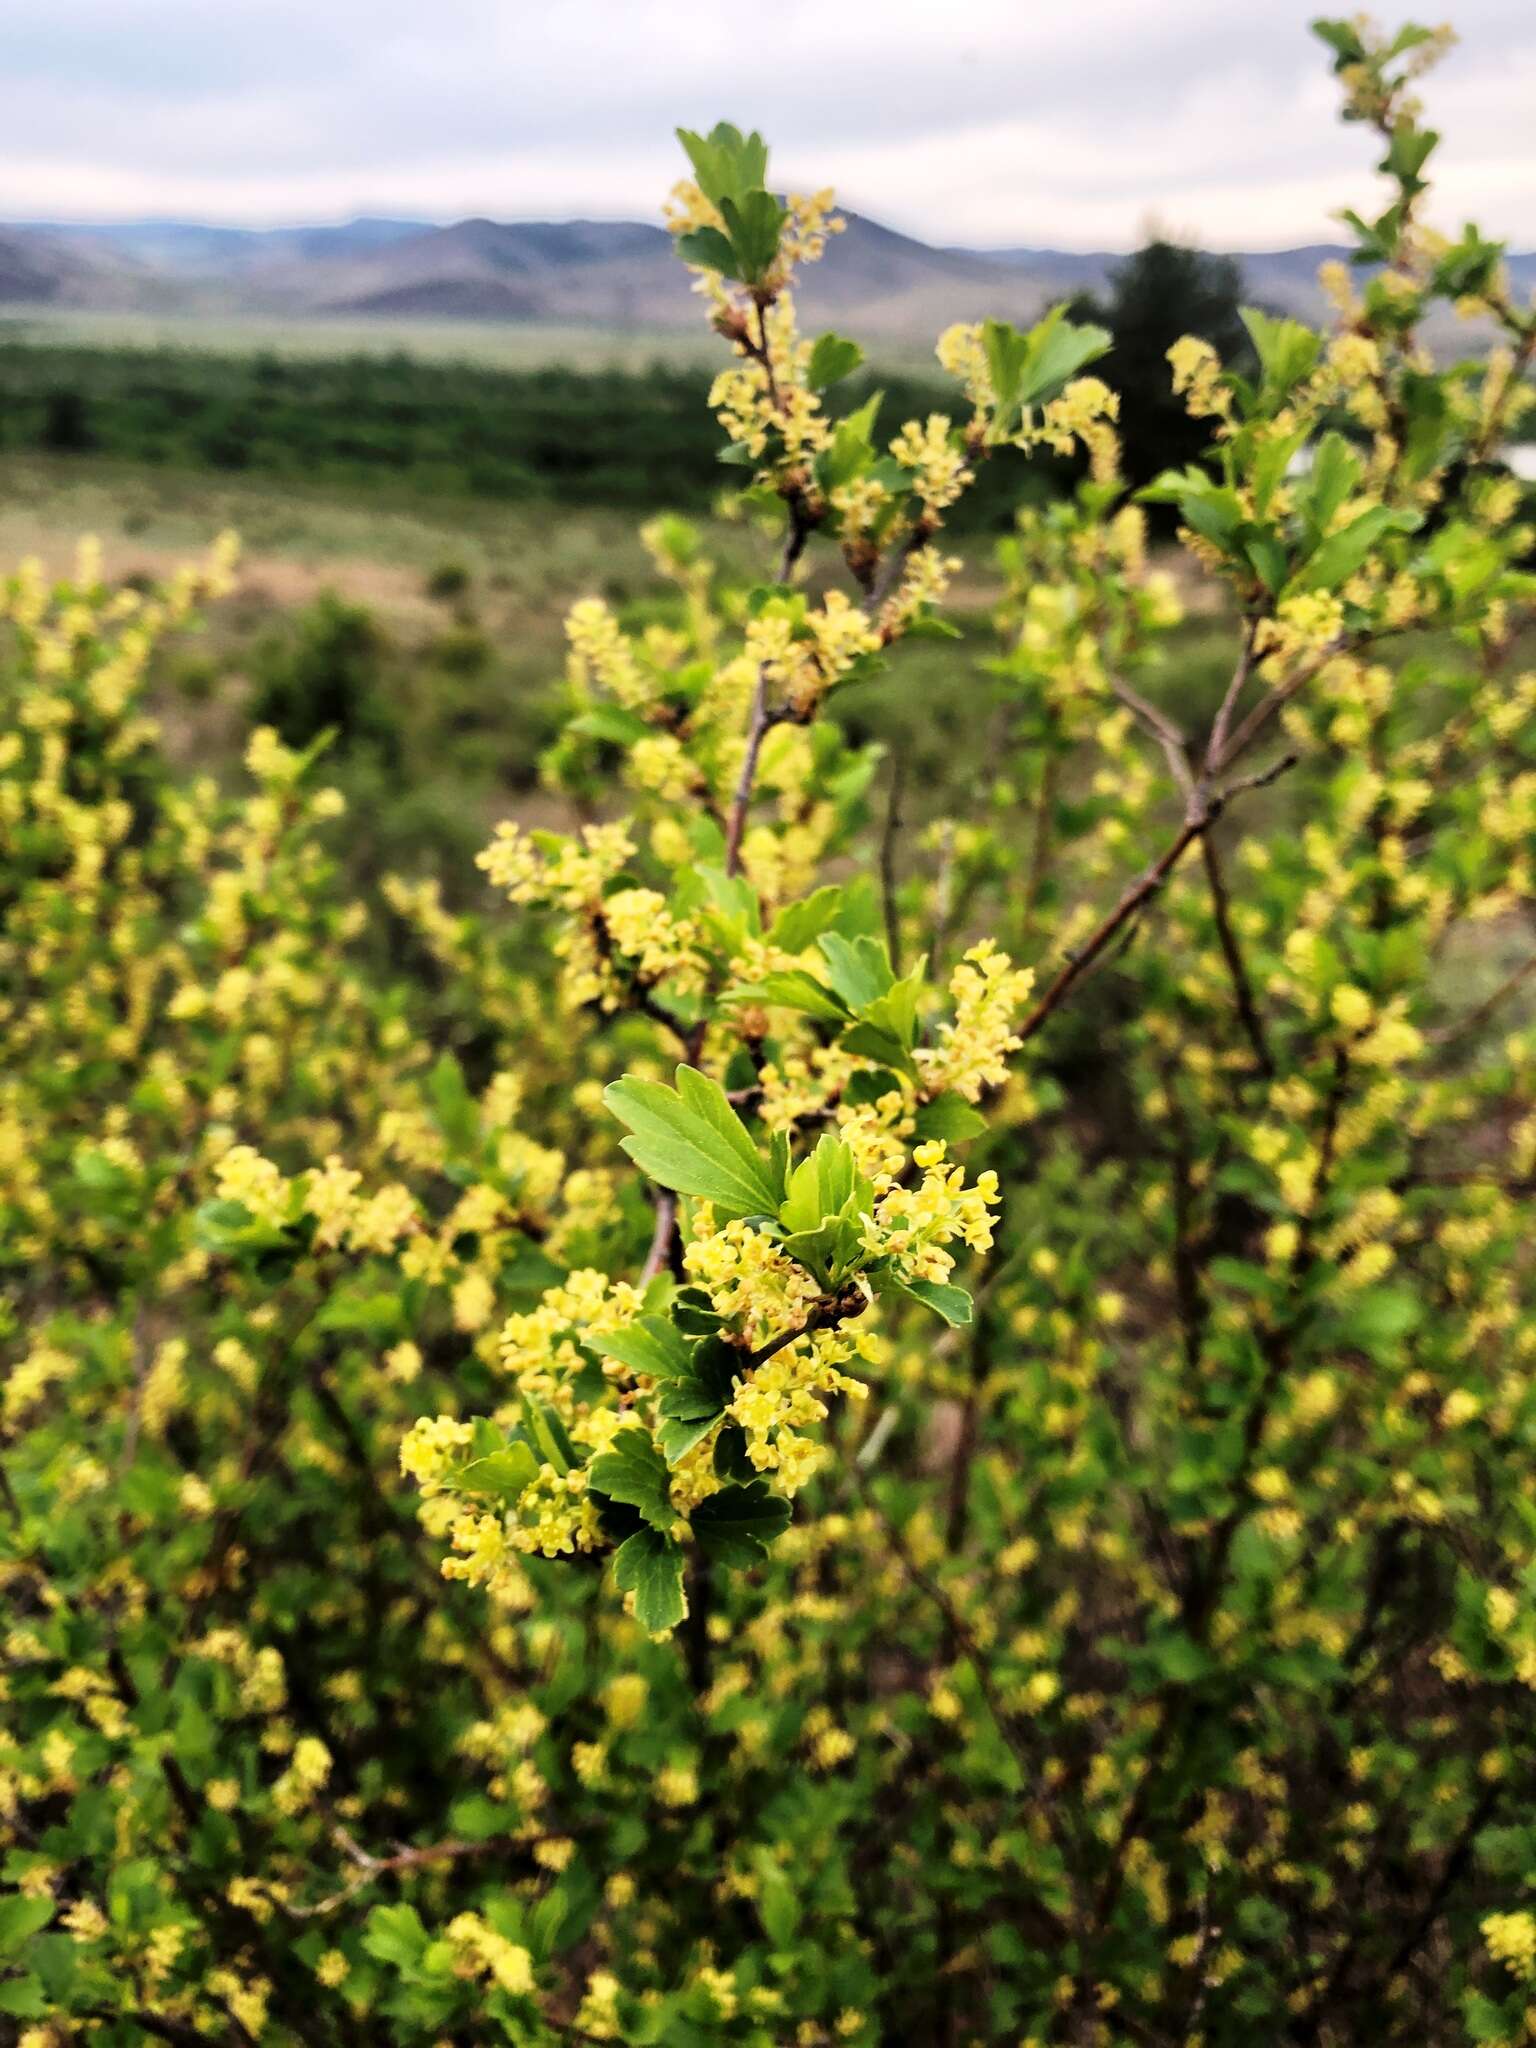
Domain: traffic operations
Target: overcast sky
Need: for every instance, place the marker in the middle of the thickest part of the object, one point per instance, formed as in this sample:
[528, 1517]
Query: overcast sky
[982, 121]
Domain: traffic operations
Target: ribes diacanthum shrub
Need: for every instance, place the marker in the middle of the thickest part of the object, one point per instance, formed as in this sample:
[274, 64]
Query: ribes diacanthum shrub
[799, 1439]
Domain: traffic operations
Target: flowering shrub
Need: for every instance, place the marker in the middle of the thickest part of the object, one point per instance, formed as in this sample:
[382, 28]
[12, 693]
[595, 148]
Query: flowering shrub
[765, 1448]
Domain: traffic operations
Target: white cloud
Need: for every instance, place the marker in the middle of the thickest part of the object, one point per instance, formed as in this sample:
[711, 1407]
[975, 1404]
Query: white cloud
[1004, 122]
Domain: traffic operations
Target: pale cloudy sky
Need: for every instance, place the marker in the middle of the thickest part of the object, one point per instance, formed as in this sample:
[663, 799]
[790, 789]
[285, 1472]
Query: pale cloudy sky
[981, 121]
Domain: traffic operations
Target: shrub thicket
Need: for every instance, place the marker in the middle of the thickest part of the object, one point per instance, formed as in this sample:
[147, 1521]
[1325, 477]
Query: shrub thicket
[832, 1593]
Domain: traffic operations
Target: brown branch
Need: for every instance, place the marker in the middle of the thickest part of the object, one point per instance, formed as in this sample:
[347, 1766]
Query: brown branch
[1266, 708]
[661, 1239]
[1140, 891]
[1242, 988]
[1198, 821]
[371, 1868]
[825, 1315]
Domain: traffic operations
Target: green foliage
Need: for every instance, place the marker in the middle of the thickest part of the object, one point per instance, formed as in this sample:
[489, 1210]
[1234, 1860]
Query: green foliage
[324, 679]
[1031, 368]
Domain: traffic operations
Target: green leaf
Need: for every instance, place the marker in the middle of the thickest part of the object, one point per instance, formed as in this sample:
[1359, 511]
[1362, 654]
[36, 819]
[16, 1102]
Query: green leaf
[949, 1117]
[652, 1345]
[1058, 349]
[1382, 1316]
[1031, 369]
[678, 1435]
[1270, 462]
[228, 1228]
[726, 162]
[547, 1434]
[1269, 560]
[1173, 486]
[754, 221]
[1286, 350]
[394, 1934]
[23, 1998]
[1213, 512]
[709, 250]
[832, 358]
[633, 1470]
[953, 1304]
[850, 451]
[860, 969]
[873, 1044]
[1410, 149]
[1341, 554]
[21, 1917]
[1343, 38]
[778, 1906]
[1007, 351]
[822, 1185]
[731, 1460]
[894, 1014]
[694, 1313]
[822, 1210]
[801, 924]
[502, 1473]
[610, 722]
[650, 1566]
[1180, 1660]
[690, 1399]
[378, 1316]
[729, 901]
[1335, 473]
[692, 1141]
[792, 988]
[737, 1524]
[458, 1118]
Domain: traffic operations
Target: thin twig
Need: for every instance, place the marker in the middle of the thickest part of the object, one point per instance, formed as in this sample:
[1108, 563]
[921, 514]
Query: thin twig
[885, 584]
[888, 838]
[1040, 841]
[1452, 1034]
[1162, 728]
[1242, 988]
[762, 718]
[1216, 747]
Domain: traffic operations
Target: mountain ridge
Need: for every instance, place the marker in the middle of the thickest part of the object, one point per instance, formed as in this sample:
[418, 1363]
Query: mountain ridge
[570, 272]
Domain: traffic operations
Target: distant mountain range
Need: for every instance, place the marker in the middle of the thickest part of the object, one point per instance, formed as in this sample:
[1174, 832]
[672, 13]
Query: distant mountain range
[609, 274]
